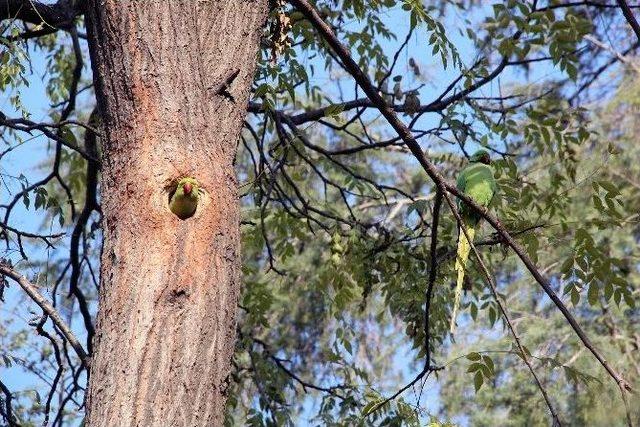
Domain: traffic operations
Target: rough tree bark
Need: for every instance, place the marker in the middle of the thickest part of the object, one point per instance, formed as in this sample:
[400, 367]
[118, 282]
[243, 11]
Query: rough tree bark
[167, 312]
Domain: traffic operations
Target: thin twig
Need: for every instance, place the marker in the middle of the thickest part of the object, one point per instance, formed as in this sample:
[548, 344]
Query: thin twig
[510, 325]
[433, 269]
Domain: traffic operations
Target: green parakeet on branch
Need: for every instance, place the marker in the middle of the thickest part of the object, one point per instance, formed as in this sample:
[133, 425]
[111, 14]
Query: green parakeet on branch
[476, 181]
[184, 200]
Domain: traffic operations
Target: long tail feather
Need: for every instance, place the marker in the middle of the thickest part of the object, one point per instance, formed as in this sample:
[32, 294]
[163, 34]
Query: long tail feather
[464, 247]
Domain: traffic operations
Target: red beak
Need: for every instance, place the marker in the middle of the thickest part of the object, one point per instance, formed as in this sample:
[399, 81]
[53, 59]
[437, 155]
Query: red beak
[187, 188]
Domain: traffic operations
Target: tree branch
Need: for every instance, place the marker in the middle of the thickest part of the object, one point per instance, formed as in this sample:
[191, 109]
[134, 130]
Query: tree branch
[628, 14]
[7, 412]
[433, 270]
[58, 15]
[44, 237]
[90, 204]
[46, 306]
[28, 126]
[304, 384]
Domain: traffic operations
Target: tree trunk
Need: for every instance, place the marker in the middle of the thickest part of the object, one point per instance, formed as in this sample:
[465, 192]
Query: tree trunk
[165, 331]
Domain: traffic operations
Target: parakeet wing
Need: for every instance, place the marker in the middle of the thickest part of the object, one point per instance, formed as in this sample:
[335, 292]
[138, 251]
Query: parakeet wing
[477, 182]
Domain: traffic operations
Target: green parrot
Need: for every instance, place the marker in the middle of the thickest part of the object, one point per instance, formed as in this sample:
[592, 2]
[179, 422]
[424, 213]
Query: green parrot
[476, 181]
[184, 200]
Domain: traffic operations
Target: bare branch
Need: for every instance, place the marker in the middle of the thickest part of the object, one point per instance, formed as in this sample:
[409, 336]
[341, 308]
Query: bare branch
[90, 204]
[59, 371]
[433, 270]
[28, 126]
[58, 15]
[628, 14]
[305, 384]
[44, 237]
[610, 49]
[7, 411]
[45, 305]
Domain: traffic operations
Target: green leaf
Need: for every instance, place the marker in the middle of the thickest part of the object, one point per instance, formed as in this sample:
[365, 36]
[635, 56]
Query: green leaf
[473, 310]
[489, 362]
[493, 315]
[334, 110]
[347, 346]
[617, 296]
[474, 356]
[629, 299]
[68, 135]
[475, 367]
[371, 406]
[608, 291]
[611, 188]
[575, 296]
[592, 294]
[478, 380]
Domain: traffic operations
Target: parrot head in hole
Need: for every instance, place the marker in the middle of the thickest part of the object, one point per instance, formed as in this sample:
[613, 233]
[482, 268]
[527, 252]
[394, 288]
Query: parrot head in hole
[184, 200]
